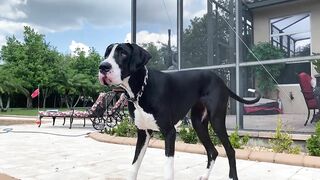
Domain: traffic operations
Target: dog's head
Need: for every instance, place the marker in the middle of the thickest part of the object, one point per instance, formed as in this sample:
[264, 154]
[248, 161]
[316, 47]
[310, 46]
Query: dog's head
[120, 61]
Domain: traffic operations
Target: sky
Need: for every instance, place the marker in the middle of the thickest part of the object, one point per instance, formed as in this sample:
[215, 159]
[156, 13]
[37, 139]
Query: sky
[68, 24]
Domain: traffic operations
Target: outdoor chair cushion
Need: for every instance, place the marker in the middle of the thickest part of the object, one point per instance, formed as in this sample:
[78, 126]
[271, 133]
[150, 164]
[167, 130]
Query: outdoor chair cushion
[117, 105]
[305, 83]
[97, 108]
[312, 103]
[55, 113]
[81, 114]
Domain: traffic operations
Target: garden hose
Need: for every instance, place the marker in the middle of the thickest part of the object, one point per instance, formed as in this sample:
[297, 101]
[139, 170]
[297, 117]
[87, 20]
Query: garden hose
[10, 130]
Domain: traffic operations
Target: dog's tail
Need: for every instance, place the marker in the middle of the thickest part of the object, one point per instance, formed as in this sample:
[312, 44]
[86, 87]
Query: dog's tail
[236, 97]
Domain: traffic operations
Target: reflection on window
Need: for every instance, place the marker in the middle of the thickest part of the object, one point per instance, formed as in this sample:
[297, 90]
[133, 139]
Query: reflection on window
[292, 34]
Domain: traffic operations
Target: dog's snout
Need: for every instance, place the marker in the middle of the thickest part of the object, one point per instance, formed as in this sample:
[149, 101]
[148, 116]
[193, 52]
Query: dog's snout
[105, 67]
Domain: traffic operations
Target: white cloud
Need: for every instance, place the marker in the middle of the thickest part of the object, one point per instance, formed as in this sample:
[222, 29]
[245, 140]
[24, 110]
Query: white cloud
[9, 9]
[11, 27]
[61, 15]
[192, 9]
[77, 45]
[163, 12]
[199, 13]
[156, 38]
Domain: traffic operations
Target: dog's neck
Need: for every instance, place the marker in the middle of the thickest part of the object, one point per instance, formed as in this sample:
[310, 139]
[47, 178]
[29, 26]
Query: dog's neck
[135, 84]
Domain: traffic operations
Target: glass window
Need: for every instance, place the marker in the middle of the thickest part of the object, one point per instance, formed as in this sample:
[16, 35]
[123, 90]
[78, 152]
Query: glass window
[292, 34]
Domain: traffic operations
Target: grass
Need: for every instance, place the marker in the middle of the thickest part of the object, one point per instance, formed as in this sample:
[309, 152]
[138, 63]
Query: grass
[30, 111]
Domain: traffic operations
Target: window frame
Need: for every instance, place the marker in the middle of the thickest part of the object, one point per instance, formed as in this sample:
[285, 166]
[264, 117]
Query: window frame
[291, 33]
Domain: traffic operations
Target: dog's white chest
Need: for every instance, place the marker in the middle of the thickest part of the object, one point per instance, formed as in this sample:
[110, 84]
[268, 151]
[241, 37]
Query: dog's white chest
[144, 120]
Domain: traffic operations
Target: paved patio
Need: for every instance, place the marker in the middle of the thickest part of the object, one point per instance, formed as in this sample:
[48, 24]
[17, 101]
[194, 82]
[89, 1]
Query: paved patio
[41, 155]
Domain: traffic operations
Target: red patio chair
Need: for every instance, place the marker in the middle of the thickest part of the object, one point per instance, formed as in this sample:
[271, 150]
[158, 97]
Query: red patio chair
[307, 91]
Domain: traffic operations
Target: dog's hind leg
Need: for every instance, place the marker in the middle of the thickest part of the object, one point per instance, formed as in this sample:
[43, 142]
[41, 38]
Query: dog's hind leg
[170, 138]
[218, 124]
[199, 119]
[141, 147]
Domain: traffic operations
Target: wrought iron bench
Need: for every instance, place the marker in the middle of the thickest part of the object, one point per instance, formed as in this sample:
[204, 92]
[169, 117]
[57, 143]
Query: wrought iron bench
[106, 111]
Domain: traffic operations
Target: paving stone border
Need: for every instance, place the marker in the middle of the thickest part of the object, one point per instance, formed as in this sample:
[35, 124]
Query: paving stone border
[281, 158]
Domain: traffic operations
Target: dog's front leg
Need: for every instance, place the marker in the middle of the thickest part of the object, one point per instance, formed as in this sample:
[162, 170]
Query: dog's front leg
[170, 138]
[141, 147]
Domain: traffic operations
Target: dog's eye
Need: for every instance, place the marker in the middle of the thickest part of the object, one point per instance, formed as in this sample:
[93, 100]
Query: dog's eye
[123, 54]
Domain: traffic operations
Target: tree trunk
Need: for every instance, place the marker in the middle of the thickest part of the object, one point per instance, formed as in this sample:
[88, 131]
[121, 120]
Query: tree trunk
[54, 101]
[61, 101]
[44, 102]
[45, 95]
[67, 101]
[8, 103]
[1, 104]
[75, 104]
[71, 101]
[29, 102]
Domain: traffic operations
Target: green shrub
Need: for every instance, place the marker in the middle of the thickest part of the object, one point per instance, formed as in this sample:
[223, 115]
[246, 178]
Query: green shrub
[282, 142]
[237, 141]
[213, 136]
[313, 143]
[110, 131]
[188, 135]
[158, 135]
[124, 129]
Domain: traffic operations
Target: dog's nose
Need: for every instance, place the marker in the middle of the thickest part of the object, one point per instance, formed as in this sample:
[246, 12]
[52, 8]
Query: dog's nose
[104, 67]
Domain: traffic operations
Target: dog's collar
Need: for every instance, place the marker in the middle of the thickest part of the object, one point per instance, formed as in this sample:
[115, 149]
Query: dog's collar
[136, 98]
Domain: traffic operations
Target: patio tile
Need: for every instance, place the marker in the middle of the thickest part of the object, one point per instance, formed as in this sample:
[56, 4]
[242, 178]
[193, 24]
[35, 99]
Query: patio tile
[43, 156]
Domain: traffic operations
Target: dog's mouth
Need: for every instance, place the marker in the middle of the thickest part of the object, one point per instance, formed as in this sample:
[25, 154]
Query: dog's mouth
[104, 80]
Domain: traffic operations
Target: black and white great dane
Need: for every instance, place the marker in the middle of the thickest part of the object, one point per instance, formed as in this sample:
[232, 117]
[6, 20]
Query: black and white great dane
[159, 100]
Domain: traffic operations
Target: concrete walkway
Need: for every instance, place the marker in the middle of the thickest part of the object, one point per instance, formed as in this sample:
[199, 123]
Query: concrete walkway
[41, 155]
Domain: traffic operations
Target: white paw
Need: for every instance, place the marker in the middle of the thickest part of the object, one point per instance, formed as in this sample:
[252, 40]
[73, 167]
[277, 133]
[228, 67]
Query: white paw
[202, 178]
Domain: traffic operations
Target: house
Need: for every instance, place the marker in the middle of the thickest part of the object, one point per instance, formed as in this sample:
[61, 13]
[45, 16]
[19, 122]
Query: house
[292, 25]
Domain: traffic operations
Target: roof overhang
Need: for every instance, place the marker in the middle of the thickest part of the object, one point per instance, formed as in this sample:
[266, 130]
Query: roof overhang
[253, 4]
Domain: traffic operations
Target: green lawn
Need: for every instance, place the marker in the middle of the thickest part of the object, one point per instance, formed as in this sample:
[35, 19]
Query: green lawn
[29, 112]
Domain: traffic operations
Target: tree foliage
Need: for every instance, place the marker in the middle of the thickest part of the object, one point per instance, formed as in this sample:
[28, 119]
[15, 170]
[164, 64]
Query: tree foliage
[9, 85]
[28, 61]
[194, 46]
[163, 57]
[34, 62]
[195, 38]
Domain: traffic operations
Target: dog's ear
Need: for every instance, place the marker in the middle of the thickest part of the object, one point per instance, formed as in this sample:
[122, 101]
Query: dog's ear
[108, 50]
[139, 57]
